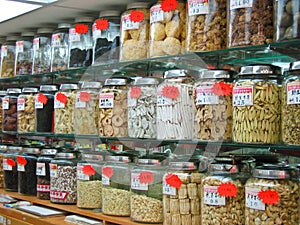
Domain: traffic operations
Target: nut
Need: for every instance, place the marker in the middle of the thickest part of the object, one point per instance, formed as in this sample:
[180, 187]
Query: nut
[89, 194]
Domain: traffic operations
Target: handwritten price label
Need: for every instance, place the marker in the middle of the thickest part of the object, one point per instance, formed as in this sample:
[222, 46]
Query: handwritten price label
[212, 197]
[197, 7]
[252, 199]
[243, 96]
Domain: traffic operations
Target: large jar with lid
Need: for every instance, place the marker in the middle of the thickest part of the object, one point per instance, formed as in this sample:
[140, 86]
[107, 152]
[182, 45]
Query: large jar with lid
[63, 178]
[81, 43]
[135, 27]
[42, 51]
[26, 110]
[256, 105]
[44, 109]
[64, 104]
[167, 28]
[213, 105]
[2, 94]
[113, 111]
[290, 122]
[272, 195]
[24, 54]
[175, 105]
[142, 101]
[3, 150]
[9, 105]
[8, 49]
[106, 37]
[2, 40]
[86, 114]
[245, 24]
[181, 194]
[116, 186]
[206, 25]
[60, 47]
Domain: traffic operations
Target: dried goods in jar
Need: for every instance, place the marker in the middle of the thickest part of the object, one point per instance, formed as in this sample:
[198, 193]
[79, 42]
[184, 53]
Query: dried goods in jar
[115, 202]
[9, 105]
[91, 192]
[8, 50]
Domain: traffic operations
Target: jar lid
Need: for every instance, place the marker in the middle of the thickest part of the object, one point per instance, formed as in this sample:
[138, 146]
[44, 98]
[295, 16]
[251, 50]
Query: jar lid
[2, 93]
[29, 90]
[3, 148]
[182, 165]
[273, 171]
[211, 74]
[260, 69]
[46, 30]
[66, 155]
[84, 19]
[175, 73]
[295, 65]
[15, 148]
[12, 38]
[48, 151]
[96, 85]
[114, 158]
[222, 168]
[48, 88]
[63, 25]
[27, 34]
[138, 5]
[148, 161]
[92, 157]
[68, 87]
[116, 81]
[108, 13]
[147, 80]
[31, 150]
[13, 91]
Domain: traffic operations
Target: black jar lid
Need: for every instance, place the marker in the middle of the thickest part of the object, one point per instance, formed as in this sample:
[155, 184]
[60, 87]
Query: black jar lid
[2, 93]
[223, 168]
[84, 19]
[216, 74]
[275, 171]
[260, 69]
[29, 150]
[49, 151]
[295, 66]
[29, 90]
[64, 87]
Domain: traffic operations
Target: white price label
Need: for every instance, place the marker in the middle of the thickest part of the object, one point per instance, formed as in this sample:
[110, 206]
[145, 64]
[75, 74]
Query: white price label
[205, 96]
[252, 199]
[127, 24]
[212, 197]
[43, 188]
[167, 189]
[55, 40]
[136, 184]
[96, 32]
[21, 168]
[156, 14]
[131, 102]
[4, 51]
[238, 4]
[53, 170]
[243, 96]
[58, 104]
[106, 100]
[163, 101]
[73, 36]
[105, 180]
[5, 103]
[36, 44]
[80, 174]
[37, 104]
[293, 93]
[80, 104]
[198, 7]
[21, 104]
[6, 166]
[40, 169]
[19, 46]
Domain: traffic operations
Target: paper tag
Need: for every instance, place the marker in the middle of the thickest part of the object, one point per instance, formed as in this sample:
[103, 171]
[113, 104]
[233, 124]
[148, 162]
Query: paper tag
[19, 46]
[59, 195]
[156, 14]
[36, 44]
[127, 24]
[73, 36]
[252, 199]
[21, 168]
[96, 32]
[40, 169]
[21, 104]
[106, 100]
[80, 104]
[4, 51]
[136, 184]
[198, 7]
[293, 93]
[38, 104]
[243, 96]
[53, 170]
[238, 4]
[131, 102]
[211, 196]
[80, 174]
[205, 96]
[6, 165]
[55, 40]
[5, 103]
[167, 189]
[43, 188]
[162, 100]
[105, 180]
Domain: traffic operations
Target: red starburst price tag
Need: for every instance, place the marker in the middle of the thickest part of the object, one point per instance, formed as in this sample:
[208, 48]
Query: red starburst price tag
[21, 160]
[169, 5]
[171, 92]
[222, 89]
[269, 197]
[81, 28]
[227, 190]
[11, 162]
[146, 177]
[84, 96]
[173, 180]
[135, 92]
[42, 98]
[136, 16]
[88, 170]
[108, 171]
[102, 24]
[61, 97]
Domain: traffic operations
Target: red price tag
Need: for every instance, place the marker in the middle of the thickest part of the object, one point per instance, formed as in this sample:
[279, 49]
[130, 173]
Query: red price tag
[173, 180]
[269, 197]
[222, 89]
[136, 16]
[61, 97]
[227, 190]
[88, 170]
[84, 96]
[171, 92]
[169, 5]
[135, 92]
[81, 28]
[108, 171]
[146, 177]
[11, 162]
[42, 98]
[102, 24]
[21, 160]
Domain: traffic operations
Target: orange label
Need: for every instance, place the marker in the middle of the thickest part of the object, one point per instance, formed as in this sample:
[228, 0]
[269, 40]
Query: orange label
[135, 92]
[81, 28]
[227, 190]
[102, 24]
[61, 97]
[171, 92]
[88, 170]
[108, 171]
[146, 177]
[173, 180]
[269, 197]
[169, 5]
[84, 96]
[136, 16]
[21, 160]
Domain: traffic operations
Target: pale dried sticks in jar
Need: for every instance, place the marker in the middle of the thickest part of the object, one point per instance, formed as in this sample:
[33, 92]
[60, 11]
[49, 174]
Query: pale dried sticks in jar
[26, 116]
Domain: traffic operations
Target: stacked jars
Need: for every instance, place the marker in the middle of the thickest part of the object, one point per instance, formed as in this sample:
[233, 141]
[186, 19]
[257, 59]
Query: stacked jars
[2, 94]
[8, 49]
[9, 105]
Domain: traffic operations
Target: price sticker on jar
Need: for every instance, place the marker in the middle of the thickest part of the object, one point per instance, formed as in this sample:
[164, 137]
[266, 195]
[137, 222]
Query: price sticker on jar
[73, 35]
[21, 104]
[167, 189]
[293, 93]
[5, 103]
[156, 14]
[55, 40]
[197, 7]
[240, 4]
[243, 96]
[136, 184]
[19, 46]
[212, 197]
[4, 51]
[40, 169]
[80, 174]
[205, 96]
[53, 170]
[128, 24]
[36, 44]
[106, 100]
[252, 199]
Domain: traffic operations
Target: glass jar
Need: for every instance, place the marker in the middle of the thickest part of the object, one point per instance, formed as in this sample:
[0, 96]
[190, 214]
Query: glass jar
[167, 29]
[116, 186]
[60, 47]
[26, 162]
[142, 100]
[81, 43]
[135, 31]
[272, 195]
[9, 104]
[86, 114]
[175, 105]
[8, 50]
[63, 181]
[256, 105]
[2, 40]
[206, 25]
[3, 150]
[106, 37]
[181, 194]
[44, 109]
[146, 204]
[245, 23]
[43, 172]
[2, 94]
[89, 182]
[64, 104]
[213, 105]
[113, 112]
[24, 54]
[26, 111]
[42, 51]
[290, 105]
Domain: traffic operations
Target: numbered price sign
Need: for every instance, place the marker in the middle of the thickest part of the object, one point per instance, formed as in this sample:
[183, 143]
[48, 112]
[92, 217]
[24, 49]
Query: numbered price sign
[156, 14]
[128, 24]
[293, 93]
[212, 197]
[238, 4]
[198, 7]
[106, 100]
[252, 199]
[205, 96]
[243, 96]
[136, 183]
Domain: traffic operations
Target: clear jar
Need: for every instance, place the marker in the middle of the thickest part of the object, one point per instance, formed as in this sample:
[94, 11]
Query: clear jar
[290, 105]
[181, 194]
[2, 94]
[3, 150]
[175, 105]
[26, 110]
[146, 204]
[113, 112]
[9, 104]
[24, 54]
[81, 43]
[106, 37]
[272, 196]
[135, 33]
[8, 50]
[206, 25]
[245, 23]
[44, 109]
[60, 47]
[213, 105]
[42, 51]
[86, 114]
[116, 186]
[142, 100]
[167, 29]
[256, 105]
[64, 104]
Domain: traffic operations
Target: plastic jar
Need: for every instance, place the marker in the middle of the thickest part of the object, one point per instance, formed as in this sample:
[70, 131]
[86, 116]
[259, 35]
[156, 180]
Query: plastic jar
[3, 150]
[64, 104]
[106, 37]
[175, 105]
[116, 186]
[44, 109]
[24, 54]
[26, 110]
[245, 23]
[2, 94]
[42, 51]
[63, 181]
[181, 194]
[213, 105]
[9, 105]
[86, 114]
[142, 100]
[256, 105]
[60, 47]
[8, 50]
[272, 196]
[113, 112]
[135, 31]
[167, 29]
[206, 25]
[81, 43]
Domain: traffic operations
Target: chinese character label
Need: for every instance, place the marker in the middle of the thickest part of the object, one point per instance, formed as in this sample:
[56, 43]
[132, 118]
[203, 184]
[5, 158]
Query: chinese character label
[156, 14]
[168, 190]
[3, 51]
[21, 104]
[211, 196]
[205, 96]
[136, 184]
[252, 199]
[106, 100]
[36, 44]
[73, 35]
[243, 96]
[5, 103]
[55, 40]
[127, 24]
[40, 169]
[197, 7]
[19, 46]
[293, 93]
[80, 174]
[238, 4]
